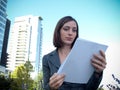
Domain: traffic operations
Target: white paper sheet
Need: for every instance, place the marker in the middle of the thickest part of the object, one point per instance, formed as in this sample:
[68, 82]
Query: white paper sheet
[77, 66]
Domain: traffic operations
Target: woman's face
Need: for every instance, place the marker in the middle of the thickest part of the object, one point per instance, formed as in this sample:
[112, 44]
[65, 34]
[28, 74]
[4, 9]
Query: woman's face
[68, 32]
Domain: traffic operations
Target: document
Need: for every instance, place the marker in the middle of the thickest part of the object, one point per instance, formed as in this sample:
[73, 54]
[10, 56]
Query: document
[77, 66]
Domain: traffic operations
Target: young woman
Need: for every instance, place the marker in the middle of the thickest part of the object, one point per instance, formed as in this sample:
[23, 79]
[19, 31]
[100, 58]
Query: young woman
[65, 34]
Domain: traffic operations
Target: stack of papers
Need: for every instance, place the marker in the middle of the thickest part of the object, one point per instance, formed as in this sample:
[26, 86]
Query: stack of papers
[77, 66]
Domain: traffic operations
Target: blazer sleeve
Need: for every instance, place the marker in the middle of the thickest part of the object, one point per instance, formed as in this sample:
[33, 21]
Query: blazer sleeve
[94, 81]
[46, 73]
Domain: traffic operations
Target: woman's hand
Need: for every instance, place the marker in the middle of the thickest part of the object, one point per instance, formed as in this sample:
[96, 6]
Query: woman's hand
[99, 62]
[56, 81]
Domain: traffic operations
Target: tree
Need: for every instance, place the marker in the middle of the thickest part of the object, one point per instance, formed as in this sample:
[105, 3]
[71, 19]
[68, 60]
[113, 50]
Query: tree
[28, 66]
[40, 80]
[21, 77]
[4, 82]
[38, 83]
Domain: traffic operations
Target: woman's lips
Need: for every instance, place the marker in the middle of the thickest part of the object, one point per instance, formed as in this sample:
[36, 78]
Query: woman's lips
[69, 38]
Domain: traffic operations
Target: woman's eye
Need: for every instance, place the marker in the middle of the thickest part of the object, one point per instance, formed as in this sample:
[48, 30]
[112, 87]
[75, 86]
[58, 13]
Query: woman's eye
[65, 29]
[74, 30]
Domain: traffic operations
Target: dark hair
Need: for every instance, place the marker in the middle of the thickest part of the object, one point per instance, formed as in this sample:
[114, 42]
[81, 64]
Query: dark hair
[57, 39]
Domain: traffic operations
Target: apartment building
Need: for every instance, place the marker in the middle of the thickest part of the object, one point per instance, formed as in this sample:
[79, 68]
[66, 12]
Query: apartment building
[25, 42]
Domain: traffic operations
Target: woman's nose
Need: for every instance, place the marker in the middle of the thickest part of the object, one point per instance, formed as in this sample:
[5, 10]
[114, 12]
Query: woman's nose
[70, 31]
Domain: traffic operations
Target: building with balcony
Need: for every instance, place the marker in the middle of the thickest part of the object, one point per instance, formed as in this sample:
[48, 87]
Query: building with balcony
[25, 42]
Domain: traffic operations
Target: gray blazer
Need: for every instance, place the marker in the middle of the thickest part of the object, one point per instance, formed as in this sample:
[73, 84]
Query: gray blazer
[51, 64]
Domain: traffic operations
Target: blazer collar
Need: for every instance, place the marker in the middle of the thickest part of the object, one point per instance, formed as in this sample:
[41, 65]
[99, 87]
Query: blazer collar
[55, 58]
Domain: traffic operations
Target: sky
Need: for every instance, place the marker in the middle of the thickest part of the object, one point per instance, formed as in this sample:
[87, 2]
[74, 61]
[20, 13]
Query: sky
[99, 21]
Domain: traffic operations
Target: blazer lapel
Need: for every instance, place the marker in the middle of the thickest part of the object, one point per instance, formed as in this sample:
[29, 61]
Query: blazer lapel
[54, 59]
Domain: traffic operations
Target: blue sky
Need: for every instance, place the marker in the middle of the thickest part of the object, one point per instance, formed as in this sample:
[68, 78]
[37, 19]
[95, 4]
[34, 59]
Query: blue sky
[94, 16]
[99, 20]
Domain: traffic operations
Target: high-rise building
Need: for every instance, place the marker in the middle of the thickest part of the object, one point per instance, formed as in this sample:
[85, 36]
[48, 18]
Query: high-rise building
[25, 42]
[5, 44]
[3, 15]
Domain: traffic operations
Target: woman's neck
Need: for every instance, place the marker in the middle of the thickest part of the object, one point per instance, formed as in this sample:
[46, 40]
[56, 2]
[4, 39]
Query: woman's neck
[63, 52]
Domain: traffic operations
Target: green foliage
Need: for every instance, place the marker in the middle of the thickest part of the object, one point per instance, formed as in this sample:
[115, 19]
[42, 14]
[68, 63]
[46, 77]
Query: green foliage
[4, 82]
[100, 88]
[21, 77]
[28, 66]
[39, 81]
[40, 76]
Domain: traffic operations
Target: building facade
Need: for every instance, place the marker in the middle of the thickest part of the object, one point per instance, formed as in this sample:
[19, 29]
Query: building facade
[25, 42]
[4, 54]
[3, 15]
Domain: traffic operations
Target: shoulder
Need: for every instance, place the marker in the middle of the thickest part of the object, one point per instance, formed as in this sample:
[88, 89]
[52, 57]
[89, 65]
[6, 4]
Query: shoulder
[49, 55]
